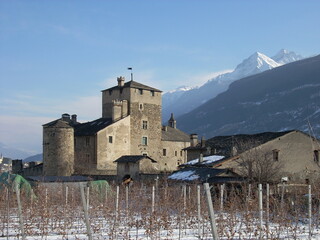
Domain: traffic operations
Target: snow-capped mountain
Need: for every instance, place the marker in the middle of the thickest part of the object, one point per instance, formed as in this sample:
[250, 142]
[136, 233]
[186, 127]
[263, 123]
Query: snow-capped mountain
[184, 100]
[284, 57]
[281, 99]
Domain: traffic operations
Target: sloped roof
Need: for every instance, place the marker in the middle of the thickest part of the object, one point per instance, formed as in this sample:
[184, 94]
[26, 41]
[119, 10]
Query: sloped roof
[222, 145]
[91, 128]
[59, 178]
[59, 123]
[174, 134]
[203, 174]
[133, 159]
[133, 84]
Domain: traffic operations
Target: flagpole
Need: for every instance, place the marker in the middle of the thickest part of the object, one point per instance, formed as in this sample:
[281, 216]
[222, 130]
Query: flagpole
[130, 68]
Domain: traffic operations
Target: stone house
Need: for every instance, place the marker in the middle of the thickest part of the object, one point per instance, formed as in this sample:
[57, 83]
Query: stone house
[294, 154]
[135, 166]
[130, 126]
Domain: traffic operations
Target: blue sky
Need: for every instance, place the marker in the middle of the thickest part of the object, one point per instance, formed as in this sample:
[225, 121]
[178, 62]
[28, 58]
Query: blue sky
[56, 56]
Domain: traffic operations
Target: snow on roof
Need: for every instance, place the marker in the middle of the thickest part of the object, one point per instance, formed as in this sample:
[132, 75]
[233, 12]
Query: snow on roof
[185, 175]
[206, 160]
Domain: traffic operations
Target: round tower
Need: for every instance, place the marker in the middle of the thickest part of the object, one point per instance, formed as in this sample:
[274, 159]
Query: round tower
[58, 147]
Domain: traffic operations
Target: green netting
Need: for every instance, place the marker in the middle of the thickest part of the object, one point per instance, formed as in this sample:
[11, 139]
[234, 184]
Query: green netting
[101, 188]
[11, 180]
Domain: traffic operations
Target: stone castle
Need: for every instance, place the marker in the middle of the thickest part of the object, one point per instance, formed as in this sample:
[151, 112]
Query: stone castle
[130, 126]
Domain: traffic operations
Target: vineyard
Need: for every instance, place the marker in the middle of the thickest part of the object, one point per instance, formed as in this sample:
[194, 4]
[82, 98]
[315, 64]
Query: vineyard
[158, 211]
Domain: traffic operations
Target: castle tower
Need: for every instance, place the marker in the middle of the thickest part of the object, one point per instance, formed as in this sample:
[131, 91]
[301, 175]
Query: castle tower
[143, 104]
[58, 147]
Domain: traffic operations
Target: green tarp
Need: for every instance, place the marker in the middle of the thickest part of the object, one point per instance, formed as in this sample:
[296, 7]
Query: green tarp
[11, 180]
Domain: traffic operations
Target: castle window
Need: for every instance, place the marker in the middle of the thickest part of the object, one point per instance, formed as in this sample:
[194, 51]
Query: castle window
[181, 153]
[140, 91]
[275, 154]
[164, 152]
[110, 92]
[145, 141]
[175, 153]
[87, 141]
[110, 139]
[144, 124]
[152, 93]
[316, 156]
[140, 106]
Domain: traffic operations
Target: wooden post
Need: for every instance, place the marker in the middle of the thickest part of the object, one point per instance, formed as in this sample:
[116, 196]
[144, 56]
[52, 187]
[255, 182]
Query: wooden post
[215, 235]
[85, 209]
[8, 211]
[153, 199]
[67, 195]
[260, 210]
[221, 197]
[117, 203]
[17, 188]
[184, 198]
[310, 210]
[268, 207]
[199, 209]
[88, 197]
[127, 200]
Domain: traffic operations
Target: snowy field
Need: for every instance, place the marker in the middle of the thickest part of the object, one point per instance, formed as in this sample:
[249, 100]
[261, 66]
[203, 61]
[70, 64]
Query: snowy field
[146, 212]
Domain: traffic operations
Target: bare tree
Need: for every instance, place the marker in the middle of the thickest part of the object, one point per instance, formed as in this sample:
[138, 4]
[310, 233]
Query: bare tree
[259, 164]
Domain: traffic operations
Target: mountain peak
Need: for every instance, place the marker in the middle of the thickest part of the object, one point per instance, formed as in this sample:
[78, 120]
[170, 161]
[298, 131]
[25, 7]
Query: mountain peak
[256, 63]
[284, 56]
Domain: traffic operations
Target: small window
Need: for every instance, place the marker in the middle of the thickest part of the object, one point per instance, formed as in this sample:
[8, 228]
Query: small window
[175, 153]
[181, 153]
[275, 154]
[144, 141]
[110, 139]
[145, 154]
[144, 124]
[178, 162]
[152, 93]
[110, 92]
[164, 152]
[140, 91]
[141, 106]
[316, 156]
[87, 158]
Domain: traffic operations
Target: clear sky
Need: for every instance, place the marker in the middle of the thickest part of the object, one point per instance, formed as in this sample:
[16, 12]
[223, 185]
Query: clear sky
[56, 56]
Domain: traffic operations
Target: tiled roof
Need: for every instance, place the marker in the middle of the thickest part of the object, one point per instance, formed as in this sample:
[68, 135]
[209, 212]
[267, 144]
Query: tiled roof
[133, 159]
[133, 84]
[91, 128]
[173, 134]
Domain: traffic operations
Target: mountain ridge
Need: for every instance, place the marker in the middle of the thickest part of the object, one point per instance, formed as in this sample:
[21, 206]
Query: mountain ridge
[279, 99]
[181, 102]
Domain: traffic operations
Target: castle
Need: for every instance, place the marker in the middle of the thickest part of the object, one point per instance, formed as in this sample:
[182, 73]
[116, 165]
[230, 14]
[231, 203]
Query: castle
[130, 126]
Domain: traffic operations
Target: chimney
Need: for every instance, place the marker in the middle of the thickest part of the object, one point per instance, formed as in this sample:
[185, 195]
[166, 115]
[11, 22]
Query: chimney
[120, 81]
[74, 118]
[172, 122]
[165, 128]
[203, 142]
[194, 139]
[201, 158]
[65, 117]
